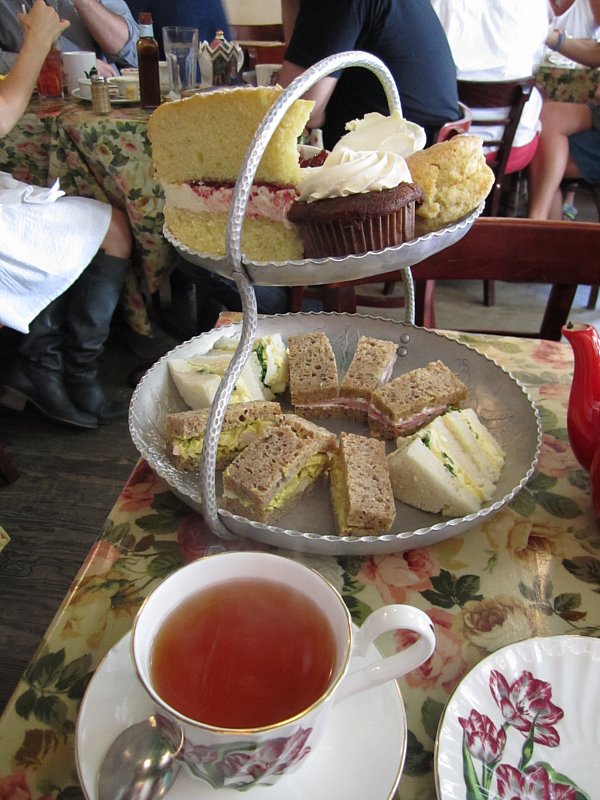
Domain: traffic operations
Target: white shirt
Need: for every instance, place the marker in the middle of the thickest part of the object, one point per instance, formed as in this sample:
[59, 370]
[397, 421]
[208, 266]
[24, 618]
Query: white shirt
[496, 40]
[577, 21]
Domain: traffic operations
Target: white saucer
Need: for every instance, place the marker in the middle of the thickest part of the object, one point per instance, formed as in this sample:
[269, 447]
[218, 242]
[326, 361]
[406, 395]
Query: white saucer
[570, 668]
[114, 101]
[361, 755]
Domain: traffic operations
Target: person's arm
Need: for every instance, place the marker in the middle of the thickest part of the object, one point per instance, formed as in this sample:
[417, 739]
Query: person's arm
[595, 6]
[109, 30]
[583, 51]
[41, 27]
[320, 92]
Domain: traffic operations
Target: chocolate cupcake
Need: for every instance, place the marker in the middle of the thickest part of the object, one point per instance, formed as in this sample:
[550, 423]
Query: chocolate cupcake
[355, 203]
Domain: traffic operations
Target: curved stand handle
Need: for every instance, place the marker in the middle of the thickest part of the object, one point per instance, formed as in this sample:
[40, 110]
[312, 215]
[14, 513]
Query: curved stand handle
[241, 194]
[388, 618]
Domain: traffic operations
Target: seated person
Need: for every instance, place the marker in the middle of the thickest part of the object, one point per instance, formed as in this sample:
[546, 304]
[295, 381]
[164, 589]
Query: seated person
[63, 261]
[105, 26]
[570, 139]
[492, 41]
[405, 34]
[578, 18]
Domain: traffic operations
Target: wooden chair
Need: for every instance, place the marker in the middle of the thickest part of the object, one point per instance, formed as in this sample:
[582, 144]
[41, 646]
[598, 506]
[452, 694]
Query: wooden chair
[511, 95]
[564, 254]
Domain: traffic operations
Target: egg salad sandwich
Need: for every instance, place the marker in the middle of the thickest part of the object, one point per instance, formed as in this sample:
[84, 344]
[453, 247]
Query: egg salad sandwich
[450, 467]
[265, 373]
[271, 476]
[410, 401]
[313, 375]
[360, 488]
[370, 368]
[243, 423]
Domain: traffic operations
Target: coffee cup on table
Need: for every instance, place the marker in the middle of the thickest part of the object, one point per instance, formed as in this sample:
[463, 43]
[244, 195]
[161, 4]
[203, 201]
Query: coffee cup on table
[267, 74]
[77, 64]
[247, 654]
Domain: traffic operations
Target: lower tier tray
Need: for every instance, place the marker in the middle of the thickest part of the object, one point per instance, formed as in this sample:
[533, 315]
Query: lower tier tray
[500, 400]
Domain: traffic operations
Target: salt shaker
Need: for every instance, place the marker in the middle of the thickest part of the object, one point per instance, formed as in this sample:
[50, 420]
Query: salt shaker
[100, 95]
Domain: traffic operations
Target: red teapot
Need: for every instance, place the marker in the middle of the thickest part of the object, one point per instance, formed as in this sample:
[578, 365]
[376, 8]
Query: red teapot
[583, 415]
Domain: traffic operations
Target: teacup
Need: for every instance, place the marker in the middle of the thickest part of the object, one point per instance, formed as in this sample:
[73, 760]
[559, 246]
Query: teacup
[247, 654]
[128, 86]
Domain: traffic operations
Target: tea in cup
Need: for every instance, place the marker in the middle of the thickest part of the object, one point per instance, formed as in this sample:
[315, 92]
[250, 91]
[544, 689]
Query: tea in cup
[128, 86]
[246, 654]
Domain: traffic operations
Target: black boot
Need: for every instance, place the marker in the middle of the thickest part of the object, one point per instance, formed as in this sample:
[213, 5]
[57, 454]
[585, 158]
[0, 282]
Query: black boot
[36, 375]
[91, 302]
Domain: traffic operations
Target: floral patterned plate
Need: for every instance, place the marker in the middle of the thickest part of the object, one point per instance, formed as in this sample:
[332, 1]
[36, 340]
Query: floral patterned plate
[524, 724]
[361, 755]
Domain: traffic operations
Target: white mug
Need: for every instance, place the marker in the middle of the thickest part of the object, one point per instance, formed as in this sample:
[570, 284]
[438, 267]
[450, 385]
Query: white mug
[267, 74]
[239, 756]
[76, 64]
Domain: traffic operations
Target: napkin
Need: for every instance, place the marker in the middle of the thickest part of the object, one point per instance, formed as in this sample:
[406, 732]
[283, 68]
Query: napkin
[14, 191]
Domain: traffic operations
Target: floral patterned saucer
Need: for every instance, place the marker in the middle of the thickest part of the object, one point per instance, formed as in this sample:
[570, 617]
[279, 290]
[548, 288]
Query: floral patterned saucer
[361, 755]
[524, 724]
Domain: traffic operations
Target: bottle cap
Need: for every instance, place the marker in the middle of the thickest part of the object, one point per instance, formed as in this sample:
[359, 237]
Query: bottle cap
[145, 18]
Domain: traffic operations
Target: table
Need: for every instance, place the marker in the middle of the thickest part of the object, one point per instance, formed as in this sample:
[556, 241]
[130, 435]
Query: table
[568, 84]
[532, 569]
[106, 157]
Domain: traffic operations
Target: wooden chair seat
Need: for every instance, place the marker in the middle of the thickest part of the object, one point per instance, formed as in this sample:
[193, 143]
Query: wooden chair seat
[561, 253]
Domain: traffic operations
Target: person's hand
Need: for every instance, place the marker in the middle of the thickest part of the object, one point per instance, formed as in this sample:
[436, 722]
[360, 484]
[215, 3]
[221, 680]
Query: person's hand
[105, 70]
[42, 24]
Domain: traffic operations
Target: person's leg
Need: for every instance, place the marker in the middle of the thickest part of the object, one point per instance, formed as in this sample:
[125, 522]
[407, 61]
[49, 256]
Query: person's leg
[91, 302]
[551, 161]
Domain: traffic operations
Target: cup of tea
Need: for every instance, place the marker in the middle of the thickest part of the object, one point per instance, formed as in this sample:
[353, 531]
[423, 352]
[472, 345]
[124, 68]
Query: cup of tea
[267, 74]
[246, 654]
[77, 64]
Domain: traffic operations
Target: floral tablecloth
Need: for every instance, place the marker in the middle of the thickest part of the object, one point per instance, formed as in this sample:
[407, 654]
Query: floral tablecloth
[532, 569]
[106, 157]
[568, 84]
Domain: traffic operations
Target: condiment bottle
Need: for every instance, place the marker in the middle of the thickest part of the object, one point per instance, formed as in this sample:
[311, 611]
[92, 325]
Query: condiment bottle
[100, 94]
[147, 53]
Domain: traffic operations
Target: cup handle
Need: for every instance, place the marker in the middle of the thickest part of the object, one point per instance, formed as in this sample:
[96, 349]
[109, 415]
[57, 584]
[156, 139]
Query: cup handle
[383, 620]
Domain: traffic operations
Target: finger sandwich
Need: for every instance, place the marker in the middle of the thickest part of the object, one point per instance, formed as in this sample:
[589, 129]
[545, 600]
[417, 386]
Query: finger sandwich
[410, 401]
[313, 375]
[243, 423]
[360, 488]
[272, 475]
[370, 368]
[450, 467]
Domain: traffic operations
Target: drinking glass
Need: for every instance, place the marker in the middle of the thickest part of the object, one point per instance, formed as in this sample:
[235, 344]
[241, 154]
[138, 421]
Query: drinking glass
[50, 80]
[181, 51]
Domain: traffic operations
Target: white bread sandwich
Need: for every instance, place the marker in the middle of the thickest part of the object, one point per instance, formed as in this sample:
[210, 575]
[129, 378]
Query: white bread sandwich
[370, 368]
[448, 467]
[243, 423]
[313, 375]
[360, 488]
[272, 475]
[198, 148]
[410, 401]
[264, 374]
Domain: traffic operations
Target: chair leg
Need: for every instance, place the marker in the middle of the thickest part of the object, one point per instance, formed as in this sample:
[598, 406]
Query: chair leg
[8, 471]
[425, 303]
[296, 299]
[489, 293]
[593, 298]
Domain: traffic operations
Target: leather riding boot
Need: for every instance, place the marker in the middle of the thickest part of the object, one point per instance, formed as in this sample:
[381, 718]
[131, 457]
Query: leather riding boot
[91, 302]
[36, 375]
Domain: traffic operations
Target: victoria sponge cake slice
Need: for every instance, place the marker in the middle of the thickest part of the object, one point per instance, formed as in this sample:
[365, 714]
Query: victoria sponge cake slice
[198, 147]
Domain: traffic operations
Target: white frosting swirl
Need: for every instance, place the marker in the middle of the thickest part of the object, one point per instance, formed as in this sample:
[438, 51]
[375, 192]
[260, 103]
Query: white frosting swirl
[376, 132]
[347, 172]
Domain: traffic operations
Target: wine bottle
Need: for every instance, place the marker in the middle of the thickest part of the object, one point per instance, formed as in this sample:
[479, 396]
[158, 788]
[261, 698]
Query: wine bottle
[147, 53]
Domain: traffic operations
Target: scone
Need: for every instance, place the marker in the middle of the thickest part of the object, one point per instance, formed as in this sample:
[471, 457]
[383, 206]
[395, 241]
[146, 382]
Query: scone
[455, 178]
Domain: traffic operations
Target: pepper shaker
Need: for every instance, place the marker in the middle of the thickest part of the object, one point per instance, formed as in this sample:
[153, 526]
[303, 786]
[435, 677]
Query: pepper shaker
[100, 95]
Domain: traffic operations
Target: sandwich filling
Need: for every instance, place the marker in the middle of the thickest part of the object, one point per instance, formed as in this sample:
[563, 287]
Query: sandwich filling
[231, 440]
[399, 427]
[266, 200]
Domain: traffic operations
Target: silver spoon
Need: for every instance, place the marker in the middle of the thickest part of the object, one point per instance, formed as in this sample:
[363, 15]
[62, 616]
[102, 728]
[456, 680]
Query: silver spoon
[141, 764]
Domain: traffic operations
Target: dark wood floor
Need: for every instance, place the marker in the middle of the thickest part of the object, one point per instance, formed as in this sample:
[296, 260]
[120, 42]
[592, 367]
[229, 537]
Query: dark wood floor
[54, 512]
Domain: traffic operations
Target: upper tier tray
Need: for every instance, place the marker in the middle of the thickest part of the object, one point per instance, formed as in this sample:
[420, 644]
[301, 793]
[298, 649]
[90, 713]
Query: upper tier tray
[315, 271]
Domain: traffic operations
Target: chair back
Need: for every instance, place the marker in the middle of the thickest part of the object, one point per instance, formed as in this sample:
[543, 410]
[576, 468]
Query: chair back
[511, 95]
[462, 125]
[257, 33]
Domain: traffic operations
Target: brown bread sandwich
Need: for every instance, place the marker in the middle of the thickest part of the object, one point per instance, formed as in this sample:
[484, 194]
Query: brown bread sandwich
[410, 401]
[272, 475]
[361, 492]
[370, 368]
[243, 423]
[313, 375]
